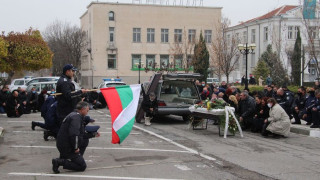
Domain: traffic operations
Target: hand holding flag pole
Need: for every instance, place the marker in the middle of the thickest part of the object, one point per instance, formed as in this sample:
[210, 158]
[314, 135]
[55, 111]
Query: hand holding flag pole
[89, 90]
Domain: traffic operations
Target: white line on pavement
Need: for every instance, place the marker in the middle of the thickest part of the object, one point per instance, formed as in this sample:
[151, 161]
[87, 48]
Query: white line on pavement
[21, 121]
[102, 148]
[38, 132]
[177, 144]
[84, 176]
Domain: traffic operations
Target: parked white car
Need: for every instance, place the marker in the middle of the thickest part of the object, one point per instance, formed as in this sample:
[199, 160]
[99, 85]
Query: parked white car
[110, 83]
[18, 83]
[43, 79]
[48, 86]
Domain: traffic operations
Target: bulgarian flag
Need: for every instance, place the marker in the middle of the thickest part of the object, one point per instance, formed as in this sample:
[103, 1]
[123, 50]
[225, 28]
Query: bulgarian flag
[123, 103]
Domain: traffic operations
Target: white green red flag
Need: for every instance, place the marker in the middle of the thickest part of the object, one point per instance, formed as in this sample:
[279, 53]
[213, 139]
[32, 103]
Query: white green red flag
[123, 103]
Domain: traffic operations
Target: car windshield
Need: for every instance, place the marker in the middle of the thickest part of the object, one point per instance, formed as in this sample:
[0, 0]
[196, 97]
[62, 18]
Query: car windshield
[178, 91]
[114, 84]
[19, 82]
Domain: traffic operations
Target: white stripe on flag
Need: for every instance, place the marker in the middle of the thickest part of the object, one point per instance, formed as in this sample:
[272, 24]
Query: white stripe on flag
[130, 111]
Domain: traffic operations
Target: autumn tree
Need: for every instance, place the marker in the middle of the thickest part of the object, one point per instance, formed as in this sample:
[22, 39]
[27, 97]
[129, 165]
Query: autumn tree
[224, 51]
[200, 60]
[25, 51]
[67, 43]
[277, 71]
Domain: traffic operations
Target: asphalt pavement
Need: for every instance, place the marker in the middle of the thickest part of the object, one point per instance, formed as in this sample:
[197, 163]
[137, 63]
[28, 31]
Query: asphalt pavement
[167, 149]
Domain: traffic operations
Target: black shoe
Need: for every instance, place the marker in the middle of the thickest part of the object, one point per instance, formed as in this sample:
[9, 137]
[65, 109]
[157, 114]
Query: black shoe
[308, 123]
[276, 136]
[33, 125]
[55, 166]
[34, 111]
[296, 123]
[45, 135]
[314, 126]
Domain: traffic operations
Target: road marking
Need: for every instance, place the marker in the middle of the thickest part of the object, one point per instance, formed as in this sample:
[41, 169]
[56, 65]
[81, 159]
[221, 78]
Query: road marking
[21, 121]
[38, 132]
[84, 176]
[102, 148]
[177, 144]
[182, 167]
[100, 112]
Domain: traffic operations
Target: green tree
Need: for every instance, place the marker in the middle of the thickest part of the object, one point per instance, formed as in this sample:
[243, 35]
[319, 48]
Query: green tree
[277, 71]
[261, 69]
[200, 60]
[26, 51]
[296, 61]
[3, 49]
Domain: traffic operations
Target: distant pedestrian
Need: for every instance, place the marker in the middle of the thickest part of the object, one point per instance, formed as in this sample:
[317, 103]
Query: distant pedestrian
[269, 80]
[260, 81]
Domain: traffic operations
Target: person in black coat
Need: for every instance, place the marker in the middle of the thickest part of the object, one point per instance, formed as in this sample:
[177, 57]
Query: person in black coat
[14, 108]
[32, 101]
[298, 105]
[246, 109]
[23, 100]
[4, 94]
[261, 113]
[69, 97]
[149, 105]
[72, 140]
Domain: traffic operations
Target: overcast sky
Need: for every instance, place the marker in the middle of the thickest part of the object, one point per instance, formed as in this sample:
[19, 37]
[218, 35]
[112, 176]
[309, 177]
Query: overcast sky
[19, 15]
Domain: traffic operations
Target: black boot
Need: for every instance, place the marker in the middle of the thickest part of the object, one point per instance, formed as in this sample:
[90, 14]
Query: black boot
[56, 163]
[33, 125]
[46, 135]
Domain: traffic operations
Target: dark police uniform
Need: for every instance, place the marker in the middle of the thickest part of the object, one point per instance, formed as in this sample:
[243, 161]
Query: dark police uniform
[316, 114]
[285, 102]
[72, 136]
[299, 102]
[310, 103]
[68, 100]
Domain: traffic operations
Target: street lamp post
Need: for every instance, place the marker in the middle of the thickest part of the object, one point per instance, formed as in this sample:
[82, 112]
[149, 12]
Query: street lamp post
[245, 50]
[139, 67]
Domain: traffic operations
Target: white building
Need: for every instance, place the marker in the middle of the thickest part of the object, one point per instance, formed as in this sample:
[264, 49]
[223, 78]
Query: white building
[278, 28]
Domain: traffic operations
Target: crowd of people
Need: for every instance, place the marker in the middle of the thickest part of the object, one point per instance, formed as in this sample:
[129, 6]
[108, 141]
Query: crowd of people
[269, 111]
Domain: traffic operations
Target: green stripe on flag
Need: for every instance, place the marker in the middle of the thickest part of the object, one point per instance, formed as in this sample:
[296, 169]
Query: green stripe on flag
[125, 94]
[125, 130]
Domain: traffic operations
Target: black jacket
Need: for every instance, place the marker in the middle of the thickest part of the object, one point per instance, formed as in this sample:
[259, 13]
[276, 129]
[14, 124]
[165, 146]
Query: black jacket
[247, 108]
[147, 103]
[72, 134]
[68, 100]
[12, 103]
[300, 102]
[264, 114]
[3, 97]
[32, 97]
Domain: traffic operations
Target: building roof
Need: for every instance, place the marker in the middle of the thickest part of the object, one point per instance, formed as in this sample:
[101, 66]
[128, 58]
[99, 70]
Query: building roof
[277, 12]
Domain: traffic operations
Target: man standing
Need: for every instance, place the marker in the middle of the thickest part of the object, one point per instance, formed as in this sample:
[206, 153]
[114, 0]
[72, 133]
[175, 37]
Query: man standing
[68, 99]
[72, 140]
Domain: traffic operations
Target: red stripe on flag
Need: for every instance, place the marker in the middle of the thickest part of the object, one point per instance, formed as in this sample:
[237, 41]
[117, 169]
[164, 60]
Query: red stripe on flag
[114, 104]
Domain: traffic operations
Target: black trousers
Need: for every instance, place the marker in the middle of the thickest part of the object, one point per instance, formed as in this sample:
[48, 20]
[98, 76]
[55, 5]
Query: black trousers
[315, 117]
[297, 116]
[74, 161]
[257, 124]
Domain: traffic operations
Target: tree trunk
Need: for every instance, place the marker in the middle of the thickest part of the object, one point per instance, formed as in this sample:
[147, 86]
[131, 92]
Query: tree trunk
[10, 75]
[227, 75]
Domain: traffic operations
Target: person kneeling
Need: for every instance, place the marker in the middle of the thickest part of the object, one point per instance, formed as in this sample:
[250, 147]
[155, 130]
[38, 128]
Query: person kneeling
[278, 122]
[72, 140]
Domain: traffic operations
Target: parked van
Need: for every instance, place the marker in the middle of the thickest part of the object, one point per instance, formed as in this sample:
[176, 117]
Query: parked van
[18, 83]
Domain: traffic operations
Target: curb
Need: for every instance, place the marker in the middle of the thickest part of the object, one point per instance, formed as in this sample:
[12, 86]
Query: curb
[305, 130]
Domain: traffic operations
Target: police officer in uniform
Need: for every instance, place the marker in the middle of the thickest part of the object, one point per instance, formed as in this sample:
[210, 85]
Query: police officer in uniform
[72, 140]
[69, 97]
[299, 104]
[285, 101]
[310, 103]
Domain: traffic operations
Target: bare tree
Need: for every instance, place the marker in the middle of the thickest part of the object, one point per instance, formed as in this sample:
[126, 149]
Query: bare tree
[311, 23]
[67, 43]
[183, 48]
[224, 52]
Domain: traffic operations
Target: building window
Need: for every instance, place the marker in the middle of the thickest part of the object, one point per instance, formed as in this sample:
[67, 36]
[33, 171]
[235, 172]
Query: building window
[150, 35]
[192, 35]
[111, 16]
[208, 36]
[253, 36]
[136, 59]
[112, 61]
[137, 35]
[111, 34]
[266, 33]
[164, 61]
[164, 35]
[253, 60]
[313, 72]
[178, 61]
[178, 35]
[244, 37]
[150, 61]
[293, 32]
[313, 32]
